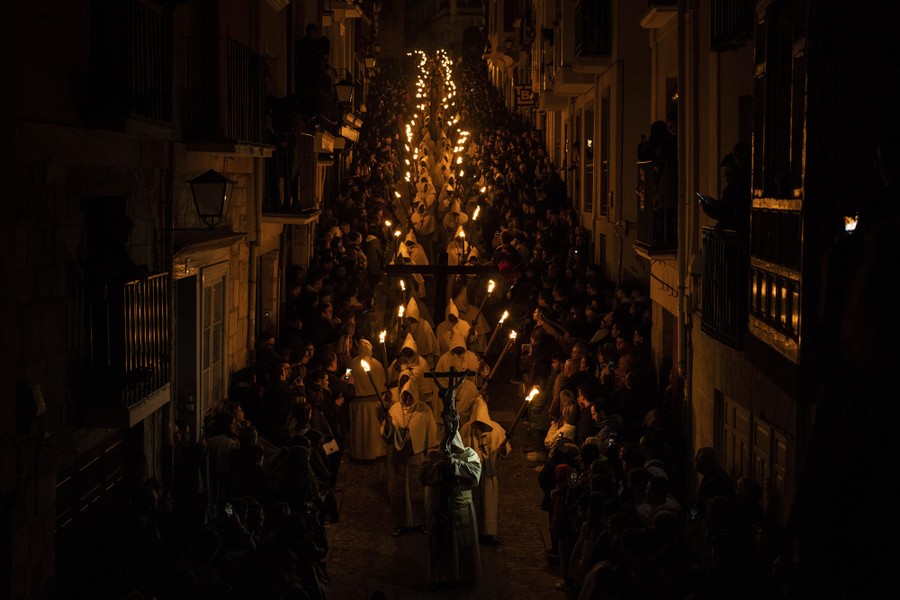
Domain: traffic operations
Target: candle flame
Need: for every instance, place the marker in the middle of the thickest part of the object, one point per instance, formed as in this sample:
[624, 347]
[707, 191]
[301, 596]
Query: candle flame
[459, 160]
[534, 392]
[491, 286]
[365, 365]
[512, 335]
[397, 233]
[483, 189]
[396, 193]
[387, 223]
[477, 212]
[382, 335]
[402, 285]
[400, 311]
[504, 315]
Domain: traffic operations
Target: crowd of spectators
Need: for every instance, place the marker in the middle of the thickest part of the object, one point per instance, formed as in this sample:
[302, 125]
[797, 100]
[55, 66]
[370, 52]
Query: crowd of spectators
[600, 433]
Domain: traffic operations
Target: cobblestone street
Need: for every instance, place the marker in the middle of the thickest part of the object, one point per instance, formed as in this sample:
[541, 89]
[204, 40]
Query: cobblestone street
[364, 557]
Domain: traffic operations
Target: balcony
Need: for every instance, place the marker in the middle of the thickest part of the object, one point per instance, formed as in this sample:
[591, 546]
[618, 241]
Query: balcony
[724, 293]
[129, 352]
[593, 33]
[131, 61]
[567, 81]
[659, 13]
[657, 195]
[226, 98]
[731, 22]
[290, 194]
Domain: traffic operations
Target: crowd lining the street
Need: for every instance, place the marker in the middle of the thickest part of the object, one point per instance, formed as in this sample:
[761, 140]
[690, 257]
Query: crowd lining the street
[327, 387]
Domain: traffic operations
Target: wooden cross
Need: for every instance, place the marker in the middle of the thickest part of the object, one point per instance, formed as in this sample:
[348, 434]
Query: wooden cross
[450, 416]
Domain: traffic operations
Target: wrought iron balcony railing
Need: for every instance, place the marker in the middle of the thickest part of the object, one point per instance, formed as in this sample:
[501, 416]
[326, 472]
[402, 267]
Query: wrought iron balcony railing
[731, 21]
[129, 344]
[724, 292]
[657, 194]
[226, 92]
[131, 59]
[593, 28]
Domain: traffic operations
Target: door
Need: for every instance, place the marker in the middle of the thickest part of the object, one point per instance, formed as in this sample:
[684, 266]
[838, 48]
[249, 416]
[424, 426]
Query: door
[212, 337]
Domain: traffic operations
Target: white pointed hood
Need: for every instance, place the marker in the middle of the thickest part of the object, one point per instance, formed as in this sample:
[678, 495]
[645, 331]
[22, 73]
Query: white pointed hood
[410, 238]
[412, 310]
[410, 343]
[364, 348]
[457, 341]
[451, 309]
[456, 208]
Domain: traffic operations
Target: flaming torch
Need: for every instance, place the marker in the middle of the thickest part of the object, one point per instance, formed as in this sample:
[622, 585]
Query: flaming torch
[503, 317]
[534, 392]
[512, 340]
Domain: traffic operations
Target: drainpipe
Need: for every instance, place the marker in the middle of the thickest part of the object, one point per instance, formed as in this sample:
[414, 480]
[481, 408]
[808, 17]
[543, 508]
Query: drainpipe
[683, 246]
[256, 200]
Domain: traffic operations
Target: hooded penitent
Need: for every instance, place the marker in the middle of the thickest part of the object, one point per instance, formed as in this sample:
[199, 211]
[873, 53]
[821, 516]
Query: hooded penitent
[376, 370]
[468, 312]
[486, 442]
[446, 329]
[415, 422]
[461, 362]
[455, 207]
[416, 252]
[425, 341]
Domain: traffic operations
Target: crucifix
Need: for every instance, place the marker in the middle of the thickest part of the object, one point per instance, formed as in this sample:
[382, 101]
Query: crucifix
[450, 416]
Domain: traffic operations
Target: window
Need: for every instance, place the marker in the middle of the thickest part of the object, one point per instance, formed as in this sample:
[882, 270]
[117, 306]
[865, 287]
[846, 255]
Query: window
[750, 446]
[776, 227]
[588, 160]
[212, 338]
[604, 154]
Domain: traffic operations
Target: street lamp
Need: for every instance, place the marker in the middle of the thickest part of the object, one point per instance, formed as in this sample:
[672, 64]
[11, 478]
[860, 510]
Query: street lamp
[369, 62]
[344, 89]
[210, 191]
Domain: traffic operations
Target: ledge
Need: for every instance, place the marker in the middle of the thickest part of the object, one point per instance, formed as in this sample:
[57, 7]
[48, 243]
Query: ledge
[300, 218]
[233, 148]
[126, 417]
[654, 253]
[658, 17]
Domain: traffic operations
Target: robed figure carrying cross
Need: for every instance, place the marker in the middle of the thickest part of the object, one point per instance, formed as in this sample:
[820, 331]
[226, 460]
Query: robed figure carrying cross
[450, 473]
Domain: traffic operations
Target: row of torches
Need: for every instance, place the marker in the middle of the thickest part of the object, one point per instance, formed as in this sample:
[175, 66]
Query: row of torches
[447, 101]
[401, 311]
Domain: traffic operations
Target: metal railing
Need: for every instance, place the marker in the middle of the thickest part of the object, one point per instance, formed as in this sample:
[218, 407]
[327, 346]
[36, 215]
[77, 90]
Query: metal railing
[130, 341]
[730, 21]
[724, 292]
[593, 28]
[149, 86]
[226, 90]
[657, 195]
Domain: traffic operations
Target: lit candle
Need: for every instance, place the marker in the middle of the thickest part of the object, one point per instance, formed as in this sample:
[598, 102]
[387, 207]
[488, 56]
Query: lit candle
[490, 290]
[490, 377]
[365, 365]
[381, 338]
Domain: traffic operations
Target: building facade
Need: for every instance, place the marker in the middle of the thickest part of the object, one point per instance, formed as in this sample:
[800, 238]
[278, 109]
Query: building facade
[127, 311]
[737, 320]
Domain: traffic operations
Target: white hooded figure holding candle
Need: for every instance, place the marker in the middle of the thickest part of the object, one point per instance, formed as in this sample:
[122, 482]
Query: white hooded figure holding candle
[410, 431]
[422, 333]
[486, 436]
[368, 374]
[458, 357]
[449, 327]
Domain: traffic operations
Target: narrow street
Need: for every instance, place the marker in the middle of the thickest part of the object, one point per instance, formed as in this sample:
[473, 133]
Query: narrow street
[365, 558]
